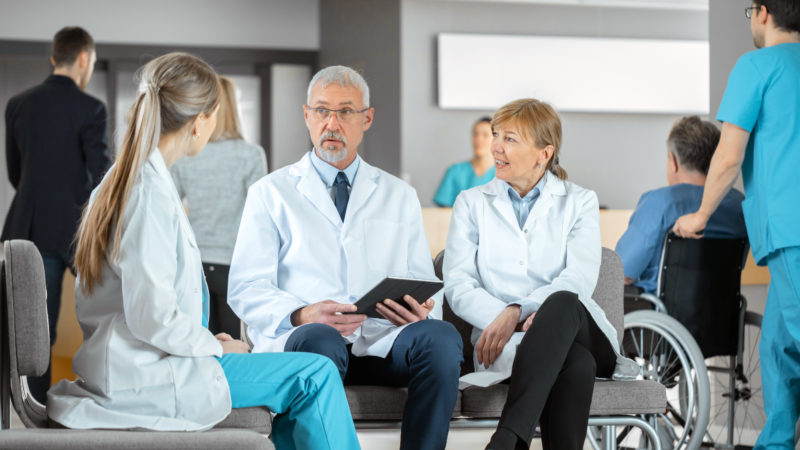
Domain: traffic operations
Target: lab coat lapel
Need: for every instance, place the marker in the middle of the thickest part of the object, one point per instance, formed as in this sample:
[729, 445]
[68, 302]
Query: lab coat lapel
[501, 203]
[363, 187]
[312, 187]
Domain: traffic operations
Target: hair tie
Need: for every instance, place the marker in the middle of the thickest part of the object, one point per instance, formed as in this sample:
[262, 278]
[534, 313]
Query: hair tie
[145, 87]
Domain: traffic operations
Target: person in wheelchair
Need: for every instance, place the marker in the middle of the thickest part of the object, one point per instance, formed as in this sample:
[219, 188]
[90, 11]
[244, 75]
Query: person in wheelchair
[690, 146]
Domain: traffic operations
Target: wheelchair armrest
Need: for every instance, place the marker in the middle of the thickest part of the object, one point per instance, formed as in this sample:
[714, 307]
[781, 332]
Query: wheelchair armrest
[655, 301]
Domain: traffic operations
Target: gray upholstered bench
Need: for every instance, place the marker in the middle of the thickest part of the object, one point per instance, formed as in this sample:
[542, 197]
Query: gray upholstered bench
[25, 351]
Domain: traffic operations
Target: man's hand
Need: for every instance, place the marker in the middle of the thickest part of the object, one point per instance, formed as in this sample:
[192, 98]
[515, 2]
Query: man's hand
[399, 315]
[234, 346]
[496, 335]
[330, 313]
[691, 225]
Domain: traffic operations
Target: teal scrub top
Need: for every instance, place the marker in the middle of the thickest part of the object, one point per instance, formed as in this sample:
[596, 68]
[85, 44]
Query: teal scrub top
[763, 97]
[459, 177]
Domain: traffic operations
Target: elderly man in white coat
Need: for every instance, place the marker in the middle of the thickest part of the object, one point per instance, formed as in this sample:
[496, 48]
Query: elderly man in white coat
[318, 234]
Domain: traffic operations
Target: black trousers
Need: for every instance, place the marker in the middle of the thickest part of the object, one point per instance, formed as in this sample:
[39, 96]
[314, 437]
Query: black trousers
[553, 375]
[221, 318]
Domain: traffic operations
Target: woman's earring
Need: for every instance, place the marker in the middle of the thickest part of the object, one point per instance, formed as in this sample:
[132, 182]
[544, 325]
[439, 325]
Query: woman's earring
[538, 166]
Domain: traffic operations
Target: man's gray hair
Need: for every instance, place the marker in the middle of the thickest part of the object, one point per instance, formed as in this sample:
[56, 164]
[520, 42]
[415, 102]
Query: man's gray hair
[341, 75]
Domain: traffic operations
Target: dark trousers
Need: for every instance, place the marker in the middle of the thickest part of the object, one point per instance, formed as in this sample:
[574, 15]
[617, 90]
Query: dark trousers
[221, 318]
[426, 357]
[553, 375]
[54, 267]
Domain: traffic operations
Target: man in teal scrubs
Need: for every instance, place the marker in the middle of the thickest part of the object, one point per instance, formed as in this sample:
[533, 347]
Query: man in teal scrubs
[761, 135]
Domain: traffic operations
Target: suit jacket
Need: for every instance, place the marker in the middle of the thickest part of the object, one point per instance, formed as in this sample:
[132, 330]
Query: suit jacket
[56, 152]
[294, 250]
[146, 361]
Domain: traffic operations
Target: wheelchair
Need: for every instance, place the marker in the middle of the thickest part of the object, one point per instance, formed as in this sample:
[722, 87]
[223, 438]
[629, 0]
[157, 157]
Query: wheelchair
[698, 339]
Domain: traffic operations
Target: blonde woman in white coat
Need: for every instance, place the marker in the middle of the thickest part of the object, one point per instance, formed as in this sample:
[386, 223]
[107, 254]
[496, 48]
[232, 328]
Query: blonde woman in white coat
[522, 261]
[148, 361]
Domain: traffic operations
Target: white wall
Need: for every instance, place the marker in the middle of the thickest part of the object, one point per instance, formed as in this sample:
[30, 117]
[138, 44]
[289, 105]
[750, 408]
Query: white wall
[618, 155]
[231, 23]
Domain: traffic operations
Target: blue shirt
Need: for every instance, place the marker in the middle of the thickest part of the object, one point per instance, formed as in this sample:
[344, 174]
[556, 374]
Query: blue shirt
[523, 205]
[459, 177]
[763, 97]
[328, 173]
[640, 246]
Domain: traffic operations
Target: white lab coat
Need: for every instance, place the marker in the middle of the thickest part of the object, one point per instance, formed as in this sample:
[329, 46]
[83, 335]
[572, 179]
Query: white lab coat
[490, 262]
[293, 250]
[146, 361]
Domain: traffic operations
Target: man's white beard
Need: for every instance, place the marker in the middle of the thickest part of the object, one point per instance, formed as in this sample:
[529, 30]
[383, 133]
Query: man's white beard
[332, 155]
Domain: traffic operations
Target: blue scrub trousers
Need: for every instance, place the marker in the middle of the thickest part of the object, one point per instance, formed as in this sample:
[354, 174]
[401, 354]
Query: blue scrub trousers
[305, 391]
[780, 350]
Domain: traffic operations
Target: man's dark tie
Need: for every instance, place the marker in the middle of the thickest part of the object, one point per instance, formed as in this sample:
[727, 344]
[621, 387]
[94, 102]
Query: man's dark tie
[340, 193]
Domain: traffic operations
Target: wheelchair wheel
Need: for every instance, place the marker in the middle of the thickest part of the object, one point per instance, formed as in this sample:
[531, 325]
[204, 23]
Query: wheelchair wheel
[737, 380]
[668, 354]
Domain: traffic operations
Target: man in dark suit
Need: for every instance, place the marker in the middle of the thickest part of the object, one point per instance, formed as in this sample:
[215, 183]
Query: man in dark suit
[56, 152]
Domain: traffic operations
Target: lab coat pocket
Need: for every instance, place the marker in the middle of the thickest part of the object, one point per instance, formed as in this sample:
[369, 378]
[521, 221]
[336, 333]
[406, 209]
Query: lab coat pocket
[386, 247]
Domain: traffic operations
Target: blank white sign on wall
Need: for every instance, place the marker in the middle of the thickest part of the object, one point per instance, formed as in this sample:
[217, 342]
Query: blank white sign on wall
[574, 73]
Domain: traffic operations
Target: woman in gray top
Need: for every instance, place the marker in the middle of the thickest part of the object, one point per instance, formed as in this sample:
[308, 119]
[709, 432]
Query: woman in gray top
[213, 186]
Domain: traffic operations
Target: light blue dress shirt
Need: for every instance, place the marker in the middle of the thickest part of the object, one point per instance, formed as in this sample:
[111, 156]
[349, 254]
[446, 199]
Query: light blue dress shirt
[523, 205]
[656, 213]
[328, 173]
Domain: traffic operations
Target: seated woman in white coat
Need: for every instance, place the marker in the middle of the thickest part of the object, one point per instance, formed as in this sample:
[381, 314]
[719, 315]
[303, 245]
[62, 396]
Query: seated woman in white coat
[147, 360]
[522, 260]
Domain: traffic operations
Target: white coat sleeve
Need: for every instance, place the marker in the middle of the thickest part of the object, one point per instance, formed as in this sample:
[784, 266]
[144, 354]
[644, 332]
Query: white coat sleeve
[148, 264]
[253, 291]
[584, 252]
[420, 264]
[463, 285]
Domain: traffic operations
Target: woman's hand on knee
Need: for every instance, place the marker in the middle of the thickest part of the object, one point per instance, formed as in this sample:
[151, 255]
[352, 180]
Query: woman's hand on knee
[496, 335]
[223, 337]
[528, 322]
[234, 346]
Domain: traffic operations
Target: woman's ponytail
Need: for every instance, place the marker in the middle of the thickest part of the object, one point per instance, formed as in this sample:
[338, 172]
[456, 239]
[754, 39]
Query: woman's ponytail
[173, 88]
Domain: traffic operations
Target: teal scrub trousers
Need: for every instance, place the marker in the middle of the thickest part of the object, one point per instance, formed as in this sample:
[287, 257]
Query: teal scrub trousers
[780, 350]
[303, 389]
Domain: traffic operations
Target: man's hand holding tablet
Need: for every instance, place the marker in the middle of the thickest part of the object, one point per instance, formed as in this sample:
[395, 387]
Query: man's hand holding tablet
[330, 313]
[395, 299]
[401, 315]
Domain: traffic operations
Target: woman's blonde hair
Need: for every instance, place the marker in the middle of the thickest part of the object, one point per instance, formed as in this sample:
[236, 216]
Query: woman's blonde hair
[228, 125]
[538, 123]
[173, 90]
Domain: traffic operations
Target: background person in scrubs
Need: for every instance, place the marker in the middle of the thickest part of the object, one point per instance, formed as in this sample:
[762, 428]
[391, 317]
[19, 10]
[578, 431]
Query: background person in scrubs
[760, 135]
[468, 174]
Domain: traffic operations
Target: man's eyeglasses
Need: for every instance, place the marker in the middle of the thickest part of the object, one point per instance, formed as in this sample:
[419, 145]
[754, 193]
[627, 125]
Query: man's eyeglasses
[748, 12]
[342, 115]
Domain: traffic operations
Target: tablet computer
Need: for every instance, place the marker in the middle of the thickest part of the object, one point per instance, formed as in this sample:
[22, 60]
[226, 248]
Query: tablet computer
[395, 289]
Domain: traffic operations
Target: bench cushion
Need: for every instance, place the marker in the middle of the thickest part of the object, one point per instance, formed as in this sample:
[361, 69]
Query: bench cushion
[35, 439]
[256, 419]
[381, 402]
[608, 398]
